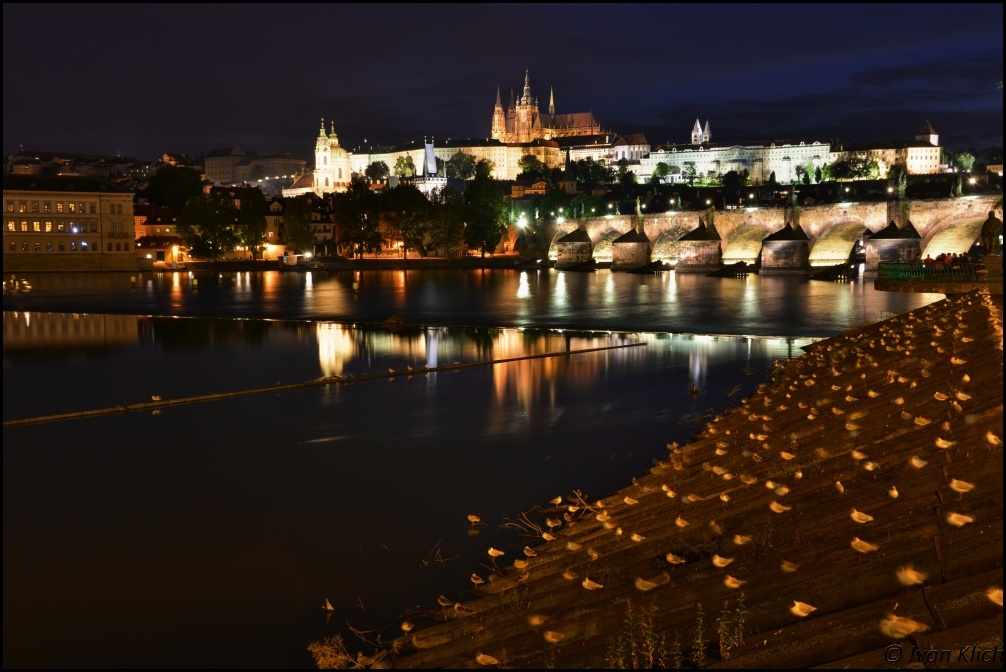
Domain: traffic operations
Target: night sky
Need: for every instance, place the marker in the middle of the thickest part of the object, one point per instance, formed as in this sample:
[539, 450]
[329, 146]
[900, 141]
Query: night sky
[143, 79]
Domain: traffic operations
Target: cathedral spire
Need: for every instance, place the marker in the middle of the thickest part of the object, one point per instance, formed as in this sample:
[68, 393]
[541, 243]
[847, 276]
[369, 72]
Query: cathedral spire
[498, 103]
[526, 99]
[551, 102]
[697, 133]
[321, 133]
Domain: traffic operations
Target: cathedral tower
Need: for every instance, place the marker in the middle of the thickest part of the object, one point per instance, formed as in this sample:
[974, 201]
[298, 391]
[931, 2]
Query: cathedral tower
[499, 119]
[697, 133]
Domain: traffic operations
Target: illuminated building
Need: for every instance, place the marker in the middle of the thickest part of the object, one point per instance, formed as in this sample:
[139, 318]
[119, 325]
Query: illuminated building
[55, 223]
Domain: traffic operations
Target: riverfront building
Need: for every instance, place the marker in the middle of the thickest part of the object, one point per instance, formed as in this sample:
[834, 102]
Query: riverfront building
[54, 223]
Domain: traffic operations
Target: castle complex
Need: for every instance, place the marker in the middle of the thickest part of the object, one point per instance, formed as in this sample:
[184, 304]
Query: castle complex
[521, 129]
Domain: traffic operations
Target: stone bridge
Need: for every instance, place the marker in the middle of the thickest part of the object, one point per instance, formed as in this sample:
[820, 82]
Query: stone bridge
[787, 239]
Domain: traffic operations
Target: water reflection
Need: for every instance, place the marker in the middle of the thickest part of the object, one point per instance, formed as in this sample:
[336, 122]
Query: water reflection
[765, 306]
[48, 331]
[241, 516]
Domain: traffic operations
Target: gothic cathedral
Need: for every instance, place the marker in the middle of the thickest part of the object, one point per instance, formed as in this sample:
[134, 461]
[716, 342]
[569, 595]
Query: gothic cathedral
[523, 122]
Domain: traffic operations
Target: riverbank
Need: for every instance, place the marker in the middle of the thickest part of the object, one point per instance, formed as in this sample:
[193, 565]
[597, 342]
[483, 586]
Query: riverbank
[846, 512]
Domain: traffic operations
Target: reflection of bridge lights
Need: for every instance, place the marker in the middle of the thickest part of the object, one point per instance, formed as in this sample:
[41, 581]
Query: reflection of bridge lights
[523, 289]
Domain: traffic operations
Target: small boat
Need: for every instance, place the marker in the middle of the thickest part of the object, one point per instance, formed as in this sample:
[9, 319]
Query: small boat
[327, 606]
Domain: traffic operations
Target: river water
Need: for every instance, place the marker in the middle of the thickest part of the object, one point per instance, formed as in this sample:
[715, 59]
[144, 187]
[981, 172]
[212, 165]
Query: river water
[210, 534]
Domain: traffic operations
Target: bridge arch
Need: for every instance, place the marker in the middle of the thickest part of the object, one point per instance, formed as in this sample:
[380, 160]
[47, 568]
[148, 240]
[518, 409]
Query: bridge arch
[666, 246]
[603, 248]
[953, 235]
[745, 244]
[561, 230]
[835, 242]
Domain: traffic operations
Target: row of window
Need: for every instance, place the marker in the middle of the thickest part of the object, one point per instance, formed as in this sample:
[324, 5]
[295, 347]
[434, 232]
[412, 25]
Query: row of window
[84, 246]
[80, 207]
[59, 226]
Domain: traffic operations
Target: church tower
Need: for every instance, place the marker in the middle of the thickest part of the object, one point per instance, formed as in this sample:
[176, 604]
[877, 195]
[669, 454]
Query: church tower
[928, 134]
[697, 133]
[332, 172]
[707, 135]
[551, 102]
[527, 112]
[322, 160]
[499, 119]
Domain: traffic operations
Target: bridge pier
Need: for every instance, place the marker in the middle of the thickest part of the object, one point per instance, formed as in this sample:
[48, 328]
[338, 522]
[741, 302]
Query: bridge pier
[784, 256]
[573, 249]
[893, 244]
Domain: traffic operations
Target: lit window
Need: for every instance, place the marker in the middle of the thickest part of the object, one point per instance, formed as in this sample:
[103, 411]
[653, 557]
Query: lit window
[59, 207]
[36, 226]
[24, 226]
[80, 207]
[48, 226]
[72, 207]
[22, 206]
[73, 246]
[10, 206]
[10, 225]
[61, 226]
[83, 246]
[47, 207]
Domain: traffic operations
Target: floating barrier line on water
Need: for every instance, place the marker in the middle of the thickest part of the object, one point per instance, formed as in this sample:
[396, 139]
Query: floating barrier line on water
[328, 380]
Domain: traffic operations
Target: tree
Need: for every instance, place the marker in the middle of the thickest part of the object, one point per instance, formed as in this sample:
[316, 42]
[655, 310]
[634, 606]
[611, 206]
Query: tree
[899, 176]
[298, 233]
[854, 169]
[818, 175]
[660, 173]
[405, 167]
[484, 168]
[531, 168]
[173, 186]
[965, 161]
[591, 174]
[356, 214]
[461, 166]
[689, 173]
[732, 180]
[207, 224]
[251, 223]
[408, 217]
[378, 171]
[772, 180]
[447, 219]
[485, 214]
[626, 177]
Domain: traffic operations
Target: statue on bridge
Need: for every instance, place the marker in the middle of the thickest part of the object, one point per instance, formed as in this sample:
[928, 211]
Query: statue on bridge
[991, 231]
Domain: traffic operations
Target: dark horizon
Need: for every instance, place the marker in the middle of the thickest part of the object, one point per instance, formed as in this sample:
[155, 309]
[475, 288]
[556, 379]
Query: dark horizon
[194, 78]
